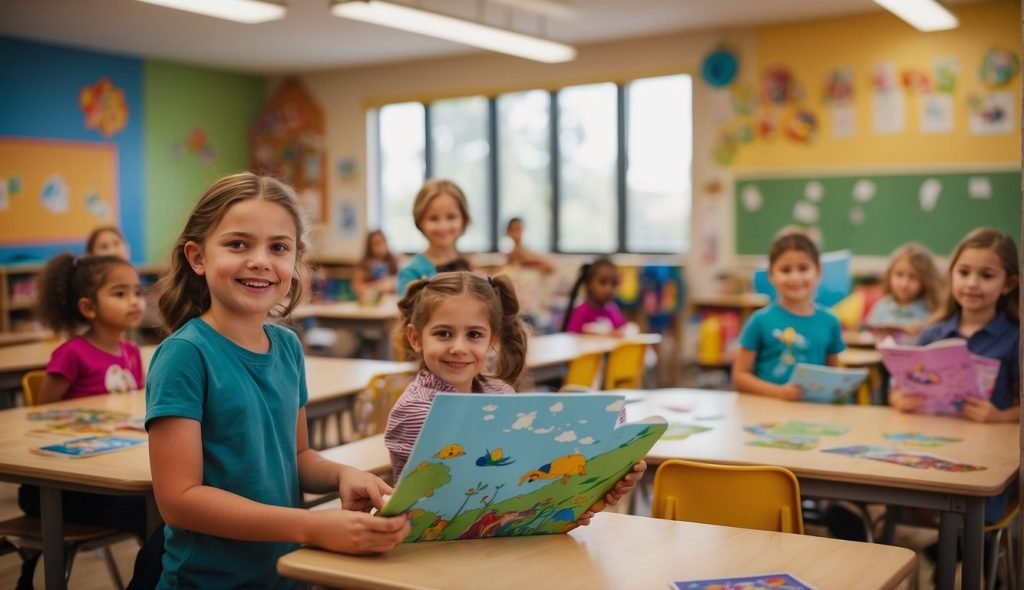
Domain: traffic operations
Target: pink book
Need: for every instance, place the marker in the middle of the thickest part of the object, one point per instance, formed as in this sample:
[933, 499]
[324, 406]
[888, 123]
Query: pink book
[943, 373]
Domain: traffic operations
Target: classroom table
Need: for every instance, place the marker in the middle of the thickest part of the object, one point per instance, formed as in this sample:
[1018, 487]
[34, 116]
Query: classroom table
[615, 551]
[828, 475]
[870, 359]
[26, 336]
[859, 339]
[18, 359]
[547, 355]
[354, 317]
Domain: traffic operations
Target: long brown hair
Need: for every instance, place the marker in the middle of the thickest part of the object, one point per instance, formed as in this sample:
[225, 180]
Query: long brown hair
[184, 294]
[986, 238]
[64, 281]
[389, 258]
[921, 260]
[498, 295]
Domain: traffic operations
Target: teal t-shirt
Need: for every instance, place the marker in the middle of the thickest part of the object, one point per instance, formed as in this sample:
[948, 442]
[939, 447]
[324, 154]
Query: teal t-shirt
[420, 266]
[782, 339]
[247, 404]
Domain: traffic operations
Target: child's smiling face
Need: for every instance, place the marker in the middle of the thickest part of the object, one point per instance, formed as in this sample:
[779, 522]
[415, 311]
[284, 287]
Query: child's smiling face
[978, 280]
[443, 222]
[455, 340]
[904, 282]
[795, 276]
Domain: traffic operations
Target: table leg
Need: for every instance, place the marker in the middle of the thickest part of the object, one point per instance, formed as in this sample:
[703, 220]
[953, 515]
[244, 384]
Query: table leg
[946, 566]
[974, 542]
[52, 515]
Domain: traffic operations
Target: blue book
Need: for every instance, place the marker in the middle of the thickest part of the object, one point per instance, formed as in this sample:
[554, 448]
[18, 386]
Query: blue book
[89, 446]
[765, 582]
[827, 385]
[519, 464]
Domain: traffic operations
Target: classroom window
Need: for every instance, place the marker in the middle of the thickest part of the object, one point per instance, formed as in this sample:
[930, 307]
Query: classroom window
[594, 168]
[524, 164]
[402, 156]
[459, 152]
[659, 143]
[587, 156]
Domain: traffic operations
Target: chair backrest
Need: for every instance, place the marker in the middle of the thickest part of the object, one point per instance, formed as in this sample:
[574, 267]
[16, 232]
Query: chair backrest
[625, 368]
[31, 383]
[374, 403]
[582, 371]
[746, 496]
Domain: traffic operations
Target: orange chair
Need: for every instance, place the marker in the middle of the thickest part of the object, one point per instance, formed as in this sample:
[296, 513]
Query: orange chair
[625, 368]
[746, 496]
[373, 405]
[31, 383]
[582, 372]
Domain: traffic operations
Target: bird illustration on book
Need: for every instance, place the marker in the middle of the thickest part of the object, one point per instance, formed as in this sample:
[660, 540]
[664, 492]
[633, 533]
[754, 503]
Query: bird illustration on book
[494, 459]
[451, 451]
[562, 467]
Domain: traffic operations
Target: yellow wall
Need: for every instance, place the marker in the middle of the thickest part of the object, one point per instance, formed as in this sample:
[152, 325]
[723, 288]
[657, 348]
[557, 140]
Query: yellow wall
[811, 50]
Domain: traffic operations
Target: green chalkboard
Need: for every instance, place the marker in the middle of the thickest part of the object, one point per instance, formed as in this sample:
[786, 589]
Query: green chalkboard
[887, 210]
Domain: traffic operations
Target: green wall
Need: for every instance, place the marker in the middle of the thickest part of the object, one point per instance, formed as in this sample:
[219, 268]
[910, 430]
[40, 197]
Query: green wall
[177, 99]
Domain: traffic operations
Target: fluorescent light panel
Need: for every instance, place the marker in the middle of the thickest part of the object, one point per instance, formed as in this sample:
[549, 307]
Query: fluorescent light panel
[243, 11]
[432, 24]
[923, 15]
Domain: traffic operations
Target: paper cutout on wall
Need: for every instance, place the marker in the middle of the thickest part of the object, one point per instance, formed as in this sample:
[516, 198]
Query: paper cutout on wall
[778, 86]
[863, 190]
[915, 80]
[929, 194]
[839, 95]
[348, 220]
[104, 107]
[14, 186]
[991, 114]
[998, 67]
[887, 102]
[805, 212]
[814, 191]
[857, 216]
[936, 113]
[3, 194]
[55, 197]
[724, 151]
[751, 198]
[744, 98]
[800, 125]
[720, 67]
[946, 72]
[979, 187]
[347, 168]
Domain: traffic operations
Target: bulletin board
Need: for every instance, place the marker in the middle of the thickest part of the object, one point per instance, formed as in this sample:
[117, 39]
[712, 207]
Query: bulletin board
[56, 191]
[874, 214]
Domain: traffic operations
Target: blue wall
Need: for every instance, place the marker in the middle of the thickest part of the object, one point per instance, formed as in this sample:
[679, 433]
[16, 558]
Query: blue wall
[41, 84]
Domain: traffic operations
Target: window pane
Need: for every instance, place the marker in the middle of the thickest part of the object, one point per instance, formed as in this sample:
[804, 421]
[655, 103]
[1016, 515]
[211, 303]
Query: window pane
[660, 148]
[458, 138]
[524, 165]
[587, 150]
[402, 170]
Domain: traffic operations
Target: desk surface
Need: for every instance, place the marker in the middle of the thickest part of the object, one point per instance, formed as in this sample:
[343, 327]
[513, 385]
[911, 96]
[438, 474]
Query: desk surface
[739, 301]
[12, 338]
[615, 551]
[26, 356]
[556, 349]
[994, 446]
[386, 309]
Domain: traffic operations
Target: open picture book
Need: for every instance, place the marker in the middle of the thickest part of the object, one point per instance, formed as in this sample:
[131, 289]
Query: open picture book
[944, 373]
[512, 465]
[827, 385]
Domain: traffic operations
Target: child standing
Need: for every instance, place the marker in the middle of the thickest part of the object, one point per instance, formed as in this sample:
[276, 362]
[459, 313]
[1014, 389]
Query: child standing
[102, 293]
[913, 291]
[452, 322]
[376, 273]
[106, 240]
[441, 213]
[790, 330]
[598, 313]
[227, 426]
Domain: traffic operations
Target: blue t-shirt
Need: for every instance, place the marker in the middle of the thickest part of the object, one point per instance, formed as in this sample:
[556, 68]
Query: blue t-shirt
[999, 340]
[419, 267]
[887, 313]
[247, 405]
[782, 339]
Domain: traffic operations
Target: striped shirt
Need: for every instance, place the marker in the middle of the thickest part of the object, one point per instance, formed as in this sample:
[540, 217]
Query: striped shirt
[410, 412]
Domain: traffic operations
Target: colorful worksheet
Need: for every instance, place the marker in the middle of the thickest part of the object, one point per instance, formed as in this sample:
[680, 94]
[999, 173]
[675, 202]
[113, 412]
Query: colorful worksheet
[681, 430]
[89, 446]
[917, 439]
[905, 458]
[762, 582]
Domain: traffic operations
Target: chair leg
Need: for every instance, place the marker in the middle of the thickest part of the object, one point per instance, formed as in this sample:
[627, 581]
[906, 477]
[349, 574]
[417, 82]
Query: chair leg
[992, 559]
[70, 550]
[29, 560]
[115, 575]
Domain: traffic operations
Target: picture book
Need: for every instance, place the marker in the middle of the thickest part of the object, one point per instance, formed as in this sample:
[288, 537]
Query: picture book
[944, 373]
[763, 582]
[681, 430]
[827, 385]
[904, 458]
[766, 438]
[917, 439]
[89, 446]
[510, 465]
[79, 415]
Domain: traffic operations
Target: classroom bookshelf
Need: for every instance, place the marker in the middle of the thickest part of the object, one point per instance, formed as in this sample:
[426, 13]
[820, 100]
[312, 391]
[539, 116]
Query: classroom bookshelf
[20, 292]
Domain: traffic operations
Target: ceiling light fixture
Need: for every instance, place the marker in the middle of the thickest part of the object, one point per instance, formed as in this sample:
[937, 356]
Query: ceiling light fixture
[433, 24]
[923, 15]
[242, 11]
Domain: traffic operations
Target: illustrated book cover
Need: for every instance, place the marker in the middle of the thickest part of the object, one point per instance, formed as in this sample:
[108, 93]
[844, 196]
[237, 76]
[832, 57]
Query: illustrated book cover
[89, 446]
[513, 465]
[827, 385]
[766, 582]
[943, 372]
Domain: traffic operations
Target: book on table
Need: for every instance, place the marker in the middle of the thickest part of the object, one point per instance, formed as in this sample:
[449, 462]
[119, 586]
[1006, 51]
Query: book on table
[827, 385]
[943, 373]
[89, 446]
[489, 465]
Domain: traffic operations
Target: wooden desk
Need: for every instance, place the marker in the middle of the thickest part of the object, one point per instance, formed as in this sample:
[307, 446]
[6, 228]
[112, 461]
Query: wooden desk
[123, 472]
[859, 339]
[615, 551]
[12, 338]
[827, 475]
[744, 303]
[18, 359]
[350, 315]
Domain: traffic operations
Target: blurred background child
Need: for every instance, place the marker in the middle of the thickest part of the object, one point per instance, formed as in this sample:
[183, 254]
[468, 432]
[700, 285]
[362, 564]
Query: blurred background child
[377, 272]
[597, 313]
[441, 213]
[913, 292]
[107, 240]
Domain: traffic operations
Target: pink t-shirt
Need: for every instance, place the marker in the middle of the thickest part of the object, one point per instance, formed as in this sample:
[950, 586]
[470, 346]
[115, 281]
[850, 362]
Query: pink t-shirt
[586, 313]
[92, 371]
[410, 412]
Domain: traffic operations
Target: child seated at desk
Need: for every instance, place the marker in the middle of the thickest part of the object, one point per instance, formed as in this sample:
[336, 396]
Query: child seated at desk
[913, 291]
[441, 213]
[792, 329]
[102, 294]
[377, 272]
[597, 313]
